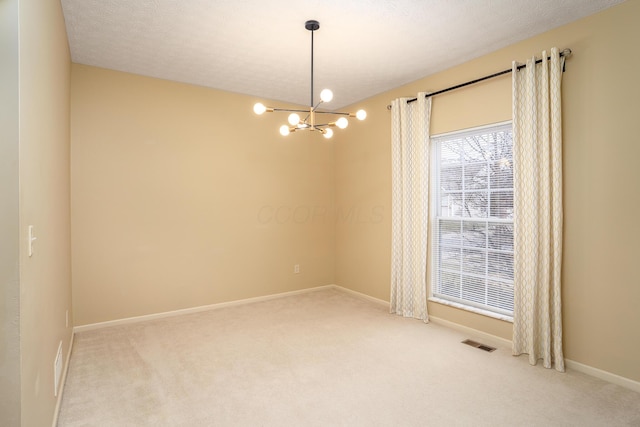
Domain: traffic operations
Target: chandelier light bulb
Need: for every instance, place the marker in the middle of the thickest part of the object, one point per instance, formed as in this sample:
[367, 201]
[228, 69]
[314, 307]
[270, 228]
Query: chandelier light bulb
[328, 133]
[284, 130]
[294, 119]
[361, 115]
[259, 108]
[342, 122]
[326, 95]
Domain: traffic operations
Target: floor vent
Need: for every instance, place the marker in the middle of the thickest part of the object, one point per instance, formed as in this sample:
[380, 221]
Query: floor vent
[478, 345]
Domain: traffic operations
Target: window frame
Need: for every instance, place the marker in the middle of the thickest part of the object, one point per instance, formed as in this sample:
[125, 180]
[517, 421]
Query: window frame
[434, 200]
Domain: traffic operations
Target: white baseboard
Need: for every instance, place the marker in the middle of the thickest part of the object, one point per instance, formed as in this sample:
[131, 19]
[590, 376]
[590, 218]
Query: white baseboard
[147, 317]
[63, 380]
[569, 364]
[480, 335]
[361, 295]
[603, 375]
[488, 338]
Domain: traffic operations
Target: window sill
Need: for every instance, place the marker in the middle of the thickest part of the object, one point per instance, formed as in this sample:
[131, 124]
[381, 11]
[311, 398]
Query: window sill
[498, 316]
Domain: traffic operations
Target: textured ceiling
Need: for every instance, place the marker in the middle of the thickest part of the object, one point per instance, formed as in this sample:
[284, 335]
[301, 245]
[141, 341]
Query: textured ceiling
[261, 48]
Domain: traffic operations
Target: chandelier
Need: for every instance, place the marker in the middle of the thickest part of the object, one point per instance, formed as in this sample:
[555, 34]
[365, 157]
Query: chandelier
[296, 123]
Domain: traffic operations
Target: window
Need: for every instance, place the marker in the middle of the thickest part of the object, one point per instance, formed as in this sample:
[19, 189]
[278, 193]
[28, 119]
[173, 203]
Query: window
[472, 223]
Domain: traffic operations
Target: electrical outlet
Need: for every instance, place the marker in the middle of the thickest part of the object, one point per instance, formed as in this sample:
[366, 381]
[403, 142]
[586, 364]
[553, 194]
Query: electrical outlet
[296, 269]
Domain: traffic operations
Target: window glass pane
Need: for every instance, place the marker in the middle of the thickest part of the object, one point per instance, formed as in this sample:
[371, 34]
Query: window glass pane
[475, 204]
[477, 148]
[504, 146]
[474, 261]
[474, 234]
[451, 152]
[500, 294]
[451, 204]
[450, 284]
[475, 176]
[501, 175]
[501, 204]
[451, 178]
[450, 258]
[501, 265]
[450, 233]
[501, 236]
[473, 289]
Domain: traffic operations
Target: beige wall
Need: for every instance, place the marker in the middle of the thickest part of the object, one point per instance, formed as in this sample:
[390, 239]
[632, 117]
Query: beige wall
[9, 218]
[45, 278]
[601, 284]
[181, 197]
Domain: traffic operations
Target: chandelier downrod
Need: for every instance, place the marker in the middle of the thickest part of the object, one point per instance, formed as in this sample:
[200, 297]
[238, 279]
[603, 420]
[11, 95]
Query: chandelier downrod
[312, 26]
[309, 122]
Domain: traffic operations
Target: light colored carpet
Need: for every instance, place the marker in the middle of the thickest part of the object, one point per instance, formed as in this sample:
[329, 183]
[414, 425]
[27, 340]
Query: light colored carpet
[323, 358]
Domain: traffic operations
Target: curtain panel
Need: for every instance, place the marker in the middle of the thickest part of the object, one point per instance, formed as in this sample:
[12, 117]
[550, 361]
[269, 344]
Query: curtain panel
[410, 203]
[537, 148]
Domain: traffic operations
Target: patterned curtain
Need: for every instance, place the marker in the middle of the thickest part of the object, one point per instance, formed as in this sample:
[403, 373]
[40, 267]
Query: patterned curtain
[537, 152]
[410, 199]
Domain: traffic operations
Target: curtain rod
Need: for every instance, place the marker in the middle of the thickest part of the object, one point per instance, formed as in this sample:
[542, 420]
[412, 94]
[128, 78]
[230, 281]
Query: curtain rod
[565, 53]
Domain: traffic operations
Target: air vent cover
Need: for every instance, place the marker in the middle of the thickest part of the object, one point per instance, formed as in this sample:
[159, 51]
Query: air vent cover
[479, 345]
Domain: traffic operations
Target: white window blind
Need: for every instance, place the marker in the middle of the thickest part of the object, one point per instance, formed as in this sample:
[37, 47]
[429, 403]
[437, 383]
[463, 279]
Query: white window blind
[473, 219]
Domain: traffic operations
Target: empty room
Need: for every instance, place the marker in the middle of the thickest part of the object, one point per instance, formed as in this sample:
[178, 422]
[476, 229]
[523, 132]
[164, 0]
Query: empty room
[292, 213]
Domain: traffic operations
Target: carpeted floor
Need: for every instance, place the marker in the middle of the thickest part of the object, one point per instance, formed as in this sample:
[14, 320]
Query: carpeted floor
[322, 358]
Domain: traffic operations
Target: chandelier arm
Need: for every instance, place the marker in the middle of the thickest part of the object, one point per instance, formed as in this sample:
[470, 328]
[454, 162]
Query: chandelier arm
[314, 108]
[287, 110]
[337, 113]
